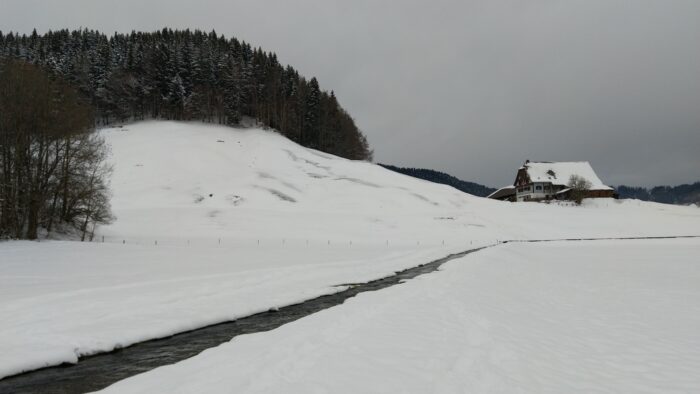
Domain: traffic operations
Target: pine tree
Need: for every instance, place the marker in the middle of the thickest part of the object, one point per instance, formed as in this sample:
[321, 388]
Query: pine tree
[312, 115]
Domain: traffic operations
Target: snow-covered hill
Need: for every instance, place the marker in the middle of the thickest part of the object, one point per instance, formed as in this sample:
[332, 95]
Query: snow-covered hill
[215, 223]
[179, 181]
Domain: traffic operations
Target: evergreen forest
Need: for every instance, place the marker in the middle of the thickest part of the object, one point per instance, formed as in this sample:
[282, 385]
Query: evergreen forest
[191, 75]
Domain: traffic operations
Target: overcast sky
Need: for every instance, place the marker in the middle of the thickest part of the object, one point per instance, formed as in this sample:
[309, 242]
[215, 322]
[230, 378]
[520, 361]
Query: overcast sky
[469, 87]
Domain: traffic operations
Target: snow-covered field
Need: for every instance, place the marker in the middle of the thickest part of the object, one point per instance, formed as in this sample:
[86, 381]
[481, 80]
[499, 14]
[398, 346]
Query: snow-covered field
[564, 317]
[215, 223]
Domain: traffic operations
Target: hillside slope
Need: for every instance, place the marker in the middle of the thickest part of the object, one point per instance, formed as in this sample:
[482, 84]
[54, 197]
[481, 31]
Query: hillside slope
[178, 181]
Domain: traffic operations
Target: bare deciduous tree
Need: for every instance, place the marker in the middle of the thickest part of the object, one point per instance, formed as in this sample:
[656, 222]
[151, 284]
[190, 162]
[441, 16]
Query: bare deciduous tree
[579, 188]
[51, 163]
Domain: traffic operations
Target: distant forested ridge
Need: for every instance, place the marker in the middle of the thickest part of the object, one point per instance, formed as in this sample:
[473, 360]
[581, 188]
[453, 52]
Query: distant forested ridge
[445, 179]
[680, 195]
[191, 75]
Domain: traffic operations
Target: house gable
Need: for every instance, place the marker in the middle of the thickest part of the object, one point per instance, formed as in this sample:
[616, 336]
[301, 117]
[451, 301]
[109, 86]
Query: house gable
[522, 178]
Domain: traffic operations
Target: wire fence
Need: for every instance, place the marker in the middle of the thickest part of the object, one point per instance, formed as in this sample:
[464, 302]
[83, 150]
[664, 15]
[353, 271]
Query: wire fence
[211, 242]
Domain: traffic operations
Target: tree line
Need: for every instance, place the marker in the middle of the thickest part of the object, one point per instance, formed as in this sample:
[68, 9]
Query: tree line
[191, 75]
[681, 195]
[52, 166]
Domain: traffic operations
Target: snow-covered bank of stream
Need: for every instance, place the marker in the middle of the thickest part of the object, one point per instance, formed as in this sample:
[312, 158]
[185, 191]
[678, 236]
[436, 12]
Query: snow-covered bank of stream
[602, 316]
[90, 298]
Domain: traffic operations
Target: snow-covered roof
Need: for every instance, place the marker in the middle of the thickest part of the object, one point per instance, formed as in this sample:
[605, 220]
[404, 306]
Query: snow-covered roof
[559, 173]
[504, 191]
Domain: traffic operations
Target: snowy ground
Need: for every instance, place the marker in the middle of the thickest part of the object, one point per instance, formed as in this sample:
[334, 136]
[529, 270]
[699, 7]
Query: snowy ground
[592, 316]
[97, 297]
[215, 223]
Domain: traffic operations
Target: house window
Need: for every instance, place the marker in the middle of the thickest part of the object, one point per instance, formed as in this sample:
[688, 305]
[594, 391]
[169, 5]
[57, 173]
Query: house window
[538, 187]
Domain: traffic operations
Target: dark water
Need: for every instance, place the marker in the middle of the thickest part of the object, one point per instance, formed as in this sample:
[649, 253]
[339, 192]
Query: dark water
[96, 372]
[600, 239]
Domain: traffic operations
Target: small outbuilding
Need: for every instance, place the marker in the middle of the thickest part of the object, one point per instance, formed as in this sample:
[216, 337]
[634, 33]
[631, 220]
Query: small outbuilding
[506, 193]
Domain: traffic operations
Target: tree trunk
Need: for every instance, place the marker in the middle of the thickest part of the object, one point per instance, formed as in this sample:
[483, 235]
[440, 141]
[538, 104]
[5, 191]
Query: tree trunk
[33, 217]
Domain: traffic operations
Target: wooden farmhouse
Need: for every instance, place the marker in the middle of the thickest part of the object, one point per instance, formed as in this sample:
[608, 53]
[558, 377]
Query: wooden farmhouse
[537, 181]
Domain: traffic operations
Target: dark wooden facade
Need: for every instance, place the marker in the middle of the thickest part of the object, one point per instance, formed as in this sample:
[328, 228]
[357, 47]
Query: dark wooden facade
[589, 194]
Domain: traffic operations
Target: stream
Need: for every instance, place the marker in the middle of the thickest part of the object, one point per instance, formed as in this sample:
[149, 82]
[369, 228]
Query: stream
[96, 372]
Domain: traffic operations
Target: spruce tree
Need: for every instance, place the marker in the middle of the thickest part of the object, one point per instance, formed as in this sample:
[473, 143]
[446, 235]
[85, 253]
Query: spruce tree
[312, 114]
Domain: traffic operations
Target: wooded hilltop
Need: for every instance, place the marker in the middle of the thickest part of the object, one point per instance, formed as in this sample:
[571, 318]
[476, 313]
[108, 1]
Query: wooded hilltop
[191, 75]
